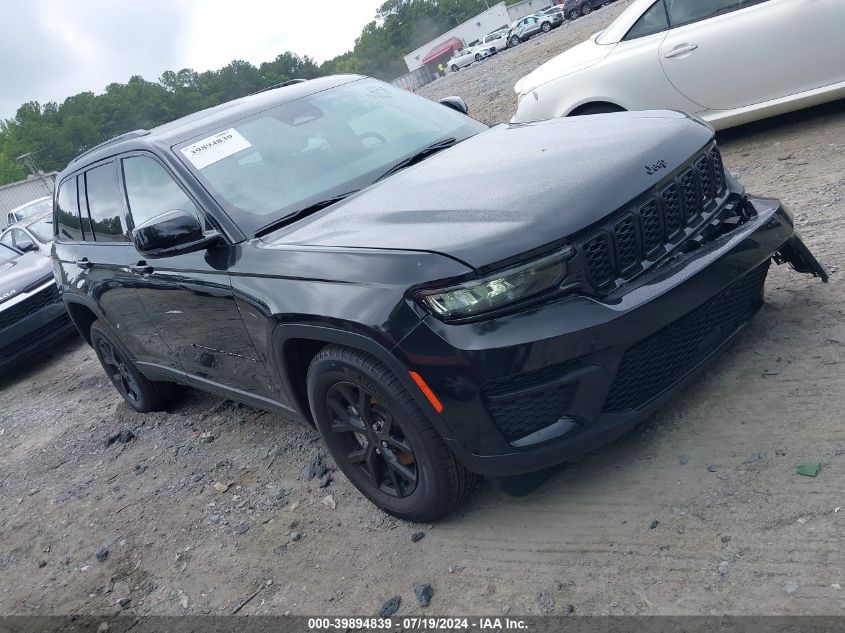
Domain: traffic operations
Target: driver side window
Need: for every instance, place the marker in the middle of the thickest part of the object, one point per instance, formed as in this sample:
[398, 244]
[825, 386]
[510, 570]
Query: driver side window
[151, 191]
[686, 11]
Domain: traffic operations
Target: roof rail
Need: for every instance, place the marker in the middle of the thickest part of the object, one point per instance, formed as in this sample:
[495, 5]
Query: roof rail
[284, 84]
[111, 141]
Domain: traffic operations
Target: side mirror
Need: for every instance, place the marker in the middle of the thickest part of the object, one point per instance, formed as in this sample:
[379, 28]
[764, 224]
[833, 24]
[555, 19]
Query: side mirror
[173, 233]
[27, 246]
[456, 103]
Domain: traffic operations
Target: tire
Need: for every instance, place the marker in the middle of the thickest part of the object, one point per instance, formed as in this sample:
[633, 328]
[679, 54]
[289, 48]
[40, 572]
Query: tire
[388, 450]
[597, 108]
[140, 393]
[514, 41]
[574, 14]
[586, 9]
[478, 57]
[455, 68]
[546, 27]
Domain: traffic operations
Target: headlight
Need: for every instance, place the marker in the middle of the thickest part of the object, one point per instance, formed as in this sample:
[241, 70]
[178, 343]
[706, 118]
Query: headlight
[497, 290]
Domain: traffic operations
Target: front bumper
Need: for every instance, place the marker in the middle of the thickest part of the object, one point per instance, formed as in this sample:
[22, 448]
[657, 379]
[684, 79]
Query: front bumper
[587, 370]
[38, 327]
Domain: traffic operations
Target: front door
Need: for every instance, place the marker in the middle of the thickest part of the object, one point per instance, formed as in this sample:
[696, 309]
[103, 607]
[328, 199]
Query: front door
[93, 247]
[189, 297]
[727, 54]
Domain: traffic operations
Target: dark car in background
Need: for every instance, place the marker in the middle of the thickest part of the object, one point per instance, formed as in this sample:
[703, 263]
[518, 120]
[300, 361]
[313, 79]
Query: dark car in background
[32, 315]
[379, 264]
[574, 9]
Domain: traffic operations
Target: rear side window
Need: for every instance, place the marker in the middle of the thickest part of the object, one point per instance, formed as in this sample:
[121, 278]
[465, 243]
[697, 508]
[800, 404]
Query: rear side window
[151, 191]
[685, 11]
[68, 226]
[652, 21]
[104, 206]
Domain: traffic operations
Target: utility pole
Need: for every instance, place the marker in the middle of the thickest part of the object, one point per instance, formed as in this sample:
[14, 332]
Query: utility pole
[28, 161]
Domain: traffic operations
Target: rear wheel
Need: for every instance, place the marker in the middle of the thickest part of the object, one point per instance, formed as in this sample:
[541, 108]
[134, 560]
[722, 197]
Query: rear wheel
[574, 14]
[546, 27]
[140, 393]
[478, 57]
[586, 9]
[380, 438]
[514, 41]
[454, 68]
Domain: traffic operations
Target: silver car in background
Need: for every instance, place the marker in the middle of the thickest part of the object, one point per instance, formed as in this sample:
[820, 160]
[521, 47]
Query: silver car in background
[29, 209]
[529, 26]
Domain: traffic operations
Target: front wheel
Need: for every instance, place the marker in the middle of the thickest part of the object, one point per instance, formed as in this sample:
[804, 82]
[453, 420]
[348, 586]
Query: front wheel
[478, 57]
[380, 439]
[140, 393]
[574, 14]
[515, 40]
[586, 9]
[546, 27]
[454, 68]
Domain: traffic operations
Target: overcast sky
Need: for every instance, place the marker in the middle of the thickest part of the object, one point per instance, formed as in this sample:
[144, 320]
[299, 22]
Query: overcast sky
[51, 49]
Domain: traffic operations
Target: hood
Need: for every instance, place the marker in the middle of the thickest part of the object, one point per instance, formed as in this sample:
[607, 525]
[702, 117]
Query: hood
[18, 274]
[577, 58]
[508, 190]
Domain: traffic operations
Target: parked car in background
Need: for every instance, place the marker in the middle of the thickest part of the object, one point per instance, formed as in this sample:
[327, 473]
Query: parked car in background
[467, 56]
[712, 59]
[32, 314]
[421, 301]
[29, 209]
[556, 13]
[32, 234]
[495, 41]
[574, 9]
[527, 27]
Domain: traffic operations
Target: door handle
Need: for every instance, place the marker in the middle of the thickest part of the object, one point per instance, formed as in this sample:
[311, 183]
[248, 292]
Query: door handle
[142, 268]
[681, 50]
[84, 263]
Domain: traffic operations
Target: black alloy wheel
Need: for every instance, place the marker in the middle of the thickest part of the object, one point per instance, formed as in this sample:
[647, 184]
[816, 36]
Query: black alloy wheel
[586, 9]
[139, 392]
[381, 439]
[372, 439]
[118, 372]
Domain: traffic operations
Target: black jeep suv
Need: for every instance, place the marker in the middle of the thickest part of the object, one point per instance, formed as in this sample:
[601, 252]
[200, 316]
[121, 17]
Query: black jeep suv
[389, 269]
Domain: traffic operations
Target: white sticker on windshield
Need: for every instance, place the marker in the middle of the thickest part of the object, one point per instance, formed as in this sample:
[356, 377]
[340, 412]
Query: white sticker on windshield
[214, 148]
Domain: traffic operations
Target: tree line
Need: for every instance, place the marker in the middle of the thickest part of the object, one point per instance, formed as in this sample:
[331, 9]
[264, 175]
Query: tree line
[56, 132]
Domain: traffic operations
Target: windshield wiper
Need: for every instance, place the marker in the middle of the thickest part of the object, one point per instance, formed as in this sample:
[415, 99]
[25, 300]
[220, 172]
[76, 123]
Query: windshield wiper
[301, 213]
[425, 152]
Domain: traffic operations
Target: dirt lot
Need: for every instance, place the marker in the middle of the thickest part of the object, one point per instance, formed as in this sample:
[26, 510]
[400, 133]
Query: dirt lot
[698, 511]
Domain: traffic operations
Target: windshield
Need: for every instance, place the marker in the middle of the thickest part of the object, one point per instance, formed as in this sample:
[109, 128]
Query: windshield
[33, 208]
[267, 166]
[42, 230]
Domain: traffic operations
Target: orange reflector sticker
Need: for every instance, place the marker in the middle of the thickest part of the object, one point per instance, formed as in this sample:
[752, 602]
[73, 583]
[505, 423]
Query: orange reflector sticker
[426, 391]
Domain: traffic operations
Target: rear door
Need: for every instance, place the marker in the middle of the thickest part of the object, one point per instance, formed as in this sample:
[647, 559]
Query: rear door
[189, 297]
[727, 54]
[103, 261]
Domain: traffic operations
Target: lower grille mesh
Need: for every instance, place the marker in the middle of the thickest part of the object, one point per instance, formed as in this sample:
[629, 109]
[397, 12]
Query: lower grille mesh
[525, 403]
[653, 365]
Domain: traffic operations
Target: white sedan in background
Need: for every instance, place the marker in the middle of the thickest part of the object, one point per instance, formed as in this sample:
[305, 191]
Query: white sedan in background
[467, 56]
[726, 61]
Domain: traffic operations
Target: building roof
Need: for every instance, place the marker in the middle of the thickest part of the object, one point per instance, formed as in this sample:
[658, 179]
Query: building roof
[443, 49]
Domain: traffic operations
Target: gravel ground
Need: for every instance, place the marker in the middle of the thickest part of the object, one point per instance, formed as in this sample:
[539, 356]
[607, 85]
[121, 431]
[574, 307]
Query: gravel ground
[699, 511]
